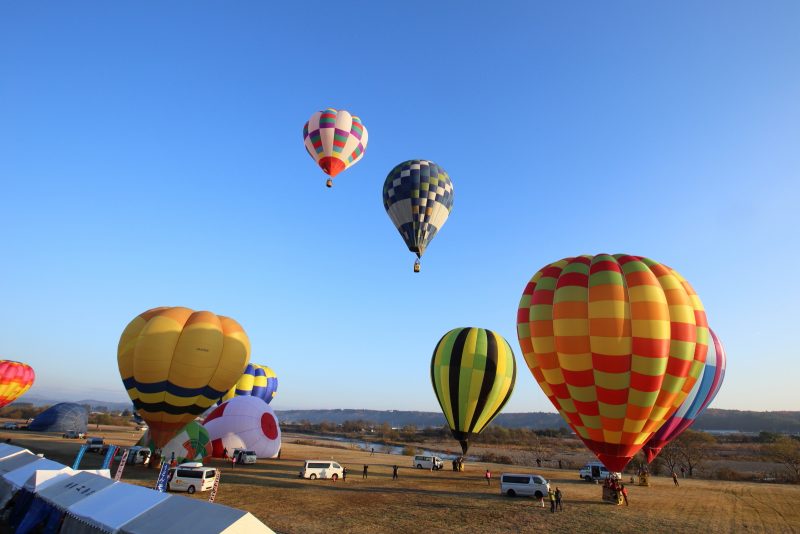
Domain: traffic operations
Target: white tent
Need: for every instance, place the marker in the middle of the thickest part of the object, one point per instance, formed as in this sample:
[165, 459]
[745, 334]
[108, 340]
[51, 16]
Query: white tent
[15, 461]
[179, 515]
[109, 509]
[7, 450]
[12, 481]
[42, 478]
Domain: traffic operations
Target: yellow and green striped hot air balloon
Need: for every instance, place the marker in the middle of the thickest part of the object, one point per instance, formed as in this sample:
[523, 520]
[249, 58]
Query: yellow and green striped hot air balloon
[176, 362]
[473, 373]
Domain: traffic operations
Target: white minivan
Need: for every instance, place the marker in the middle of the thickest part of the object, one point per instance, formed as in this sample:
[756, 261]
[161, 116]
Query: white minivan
[513, 484]
[191, 477]
[427, 462]
[321, 469]
[597, 471]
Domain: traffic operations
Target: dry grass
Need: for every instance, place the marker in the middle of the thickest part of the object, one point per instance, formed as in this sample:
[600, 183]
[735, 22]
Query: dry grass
[422, 501]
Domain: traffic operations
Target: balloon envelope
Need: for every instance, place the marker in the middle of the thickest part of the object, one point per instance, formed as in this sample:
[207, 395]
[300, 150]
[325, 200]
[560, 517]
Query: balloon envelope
[244, 423]
[191, 444]
[175, 363]
[61, 417]
[418, 196]
[15, 379]
[335, 139]
[616, 343]
[256, 381]
[473, 373]
[700, 397]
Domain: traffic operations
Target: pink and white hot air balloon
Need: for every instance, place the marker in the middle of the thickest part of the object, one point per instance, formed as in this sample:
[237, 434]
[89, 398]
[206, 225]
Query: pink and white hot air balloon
[244, 423]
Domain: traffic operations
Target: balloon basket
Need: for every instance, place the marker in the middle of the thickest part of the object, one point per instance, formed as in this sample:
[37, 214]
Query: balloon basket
[416, 266]
[644, 480]
[612, 495]
[329, 183]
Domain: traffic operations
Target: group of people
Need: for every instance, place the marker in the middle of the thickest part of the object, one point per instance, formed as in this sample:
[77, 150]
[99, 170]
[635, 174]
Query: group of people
[617, 487]
[458, 464]
[555, 500]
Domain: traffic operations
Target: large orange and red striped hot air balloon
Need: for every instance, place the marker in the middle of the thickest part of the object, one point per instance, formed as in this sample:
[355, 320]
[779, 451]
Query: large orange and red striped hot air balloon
[15, 379]
[616, 343]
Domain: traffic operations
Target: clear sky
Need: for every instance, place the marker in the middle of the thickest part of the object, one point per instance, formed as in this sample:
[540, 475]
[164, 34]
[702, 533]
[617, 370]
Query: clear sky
[151, 154]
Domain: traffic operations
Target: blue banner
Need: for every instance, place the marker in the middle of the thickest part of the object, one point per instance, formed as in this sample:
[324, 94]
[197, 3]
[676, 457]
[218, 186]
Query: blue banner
[112, 450]
[161, 484]
[80, 456]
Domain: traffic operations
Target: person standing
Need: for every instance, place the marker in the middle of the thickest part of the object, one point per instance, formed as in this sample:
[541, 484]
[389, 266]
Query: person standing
[538, 462]
[624, 492]
[372, 451]
[364, 475]
[558, 500]
[488, 476]
[552, 496]
[344, 474]
[675, 478]
[394, 472]
[683, 472]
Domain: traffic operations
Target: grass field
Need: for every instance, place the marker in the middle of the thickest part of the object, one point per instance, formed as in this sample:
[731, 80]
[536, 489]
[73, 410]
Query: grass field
[446, 501]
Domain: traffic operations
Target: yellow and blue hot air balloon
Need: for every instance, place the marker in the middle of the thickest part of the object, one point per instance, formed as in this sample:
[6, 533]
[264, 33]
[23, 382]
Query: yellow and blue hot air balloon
[175, 364]
[418, 196]
[256, 381]
[473, 373]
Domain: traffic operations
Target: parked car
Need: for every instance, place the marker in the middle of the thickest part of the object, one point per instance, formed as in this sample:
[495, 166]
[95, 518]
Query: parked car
[10, 426]
[313, 469]
[136, 455]
[597, 471]
[94, 444]
[243, 456]
[191, 477]
[73, 434]
[513, 484]
[427, 462]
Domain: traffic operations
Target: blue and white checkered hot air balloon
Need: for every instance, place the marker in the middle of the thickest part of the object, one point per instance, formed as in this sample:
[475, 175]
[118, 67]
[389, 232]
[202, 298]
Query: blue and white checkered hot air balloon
[418, 196]
[256, 381]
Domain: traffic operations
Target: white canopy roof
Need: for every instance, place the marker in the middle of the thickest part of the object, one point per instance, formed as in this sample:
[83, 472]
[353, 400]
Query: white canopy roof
[65, 493]
[179, 515]
[10, 463]
[7, 450]
[109, 509]
[14, 480]
[41, 478]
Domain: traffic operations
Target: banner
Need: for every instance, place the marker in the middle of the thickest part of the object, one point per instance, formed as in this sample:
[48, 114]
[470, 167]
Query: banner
[80, 456]
[214, 489]
[112, 450]
[121, 466]
[161, 483]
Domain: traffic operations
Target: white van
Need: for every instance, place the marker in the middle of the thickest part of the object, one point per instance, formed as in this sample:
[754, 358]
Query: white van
[513, 484]
[427, 462]
[597, 471]
[321, 469]
[136, 455]
[243, 456]
[191, 477]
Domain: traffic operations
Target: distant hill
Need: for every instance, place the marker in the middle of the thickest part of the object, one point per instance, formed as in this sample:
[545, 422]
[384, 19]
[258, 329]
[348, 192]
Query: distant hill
[94, 403]
[711, 420]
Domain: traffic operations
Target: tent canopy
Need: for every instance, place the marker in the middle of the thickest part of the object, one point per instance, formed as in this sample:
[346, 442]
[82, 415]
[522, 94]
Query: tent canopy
[65, 493]
[109, 509]
[181, 514]
[7, 450]
[16, 461]
[41, 478]
[14, 480]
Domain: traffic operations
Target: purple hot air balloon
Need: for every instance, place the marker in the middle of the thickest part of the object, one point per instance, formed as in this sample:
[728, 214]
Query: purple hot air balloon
[701, 395]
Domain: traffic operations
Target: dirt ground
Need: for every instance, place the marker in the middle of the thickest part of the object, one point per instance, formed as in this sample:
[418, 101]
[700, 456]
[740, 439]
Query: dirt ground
[446, 501]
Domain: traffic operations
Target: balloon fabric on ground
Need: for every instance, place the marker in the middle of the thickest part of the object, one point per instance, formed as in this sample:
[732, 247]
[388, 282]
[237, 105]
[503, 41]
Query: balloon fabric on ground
[191, 444]
[61, 417]
[418, 197]
[473, 372]
[700, 397]
[616, 343]
[244, 423]
[335, 139]
[175, 363]
[256, 381]
[15, 379]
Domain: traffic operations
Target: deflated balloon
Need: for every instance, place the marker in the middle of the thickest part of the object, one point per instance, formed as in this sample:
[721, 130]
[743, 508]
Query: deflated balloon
[616, 343]
[176, 362]
[418, 196]
[244, 423]
[256, 381]
[701, 395]
[15, 379]
[335, 139]
[473, 373]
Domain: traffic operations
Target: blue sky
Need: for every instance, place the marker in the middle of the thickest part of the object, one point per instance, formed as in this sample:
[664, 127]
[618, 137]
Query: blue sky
[151, 154]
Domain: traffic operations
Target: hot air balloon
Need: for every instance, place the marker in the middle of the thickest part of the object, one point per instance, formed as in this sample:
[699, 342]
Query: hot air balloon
[15, 379]
[335, 139]
[473, 373]
[418, 196]
[616, 343]
[176, 362]
[256, 381]
[244, 423]
[191, 444]
[701, 395]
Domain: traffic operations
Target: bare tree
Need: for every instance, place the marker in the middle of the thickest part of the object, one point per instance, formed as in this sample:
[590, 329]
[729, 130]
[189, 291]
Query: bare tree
[786, 451]
[694, 448]
[670, 455]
